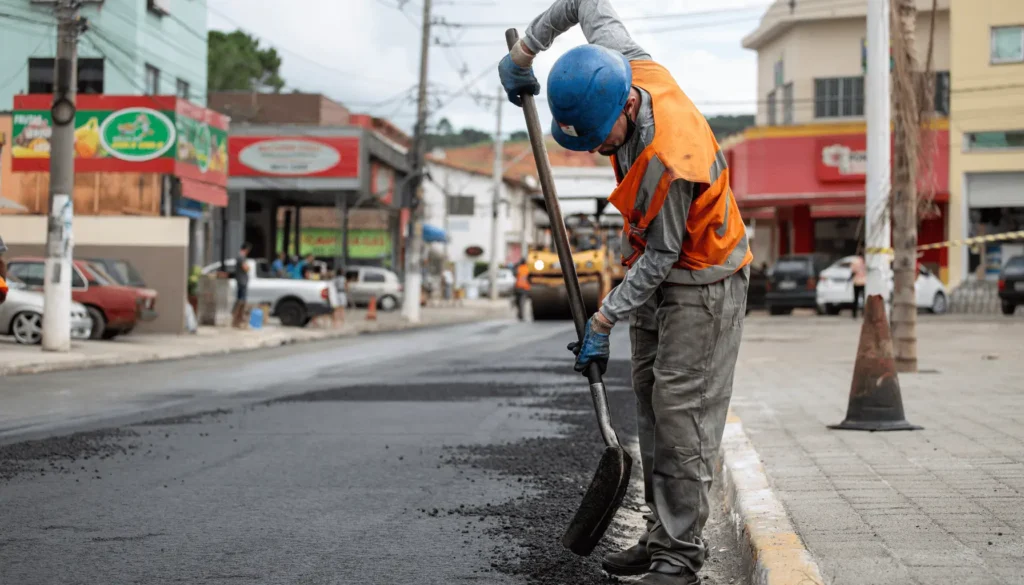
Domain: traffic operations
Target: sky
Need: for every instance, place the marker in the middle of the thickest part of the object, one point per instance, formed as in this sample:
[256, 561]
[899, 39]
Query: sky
[365, 53]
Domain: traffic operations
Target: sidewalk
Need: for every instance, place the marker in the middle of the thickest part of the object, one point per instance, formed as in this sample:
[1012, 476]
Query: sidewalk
[135, 348]
[942, 505]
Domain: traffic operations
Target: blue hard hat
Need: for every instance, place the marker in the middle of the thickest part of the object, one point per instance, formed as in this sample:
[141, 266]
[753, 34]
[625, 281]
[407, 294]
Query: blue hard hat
[587, 89]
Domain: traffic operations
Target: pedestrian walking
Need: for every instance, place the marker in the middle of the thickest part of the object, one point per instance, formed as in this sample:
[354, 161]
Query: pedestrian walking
[448, 283]
[859, 277]
[522, 286]
[241, 276]
[688, 260]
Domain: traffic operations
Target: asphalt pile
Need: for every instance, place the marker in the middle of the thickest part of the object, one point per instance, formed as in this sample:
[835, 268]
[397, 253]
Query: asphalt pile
[554, 473]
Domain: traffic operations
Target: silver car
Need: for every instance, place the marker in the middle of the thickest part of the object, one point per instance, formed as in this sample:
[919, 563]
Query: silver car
[21, 315]
[366, 282]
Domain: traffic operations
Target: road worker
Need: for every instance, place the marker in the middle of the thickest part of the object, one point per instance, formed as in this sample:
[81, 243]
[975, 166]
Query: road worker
[688, 259]
[522, 290]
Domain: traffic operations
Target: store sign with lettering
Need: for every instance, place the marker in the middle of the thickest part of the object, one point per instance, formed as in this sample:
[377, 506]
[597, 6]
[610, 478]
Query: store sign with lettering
[842, 161]
[146, 134]
[294, 156]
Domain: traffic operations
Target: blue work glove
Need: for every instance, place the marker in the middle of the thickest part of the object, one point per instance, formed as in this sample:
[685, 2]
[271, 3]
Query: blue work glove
[594, 348]
[517, 80]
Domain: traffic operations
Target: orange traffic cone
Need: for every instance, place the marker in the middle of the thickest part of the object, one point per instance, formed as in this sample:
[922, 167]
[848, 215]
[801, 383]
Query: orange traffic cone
[371, 313]
[875, 400]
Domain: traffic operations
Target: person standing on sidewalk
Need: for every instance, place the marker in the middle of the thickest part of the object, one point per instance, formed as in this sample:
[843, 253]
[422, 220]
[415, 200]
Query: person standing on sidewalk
[859, 277]
[241, 277]
[522, 286]
[688, 256]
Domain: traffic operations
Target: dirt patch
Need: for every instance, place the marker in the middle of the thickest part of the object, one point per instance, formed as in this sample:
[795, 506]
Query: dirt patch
[64, 454]
[435, 391]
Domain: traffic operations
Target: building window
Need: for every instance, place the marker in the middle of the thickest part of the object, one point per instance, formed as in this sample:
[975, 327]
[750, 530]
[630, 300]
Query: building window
[152, 80]
[1008, 44]
[159, 7]
[90, 76]
[182, 90]
[778, 72]
[942, 93]
[839, 97]
[787, 103]
[461, 205]
[998, 140]
[772, 119]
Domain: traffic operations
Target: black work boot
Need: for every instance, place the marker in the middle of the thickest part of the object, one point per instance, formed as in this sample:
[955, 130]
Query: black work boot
[632, 561]
[662, 573]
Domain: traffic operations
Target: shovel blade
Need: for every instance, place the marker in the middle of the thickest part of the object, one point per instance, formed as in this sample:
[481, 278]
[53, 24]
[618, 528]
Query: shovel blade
[599, 504]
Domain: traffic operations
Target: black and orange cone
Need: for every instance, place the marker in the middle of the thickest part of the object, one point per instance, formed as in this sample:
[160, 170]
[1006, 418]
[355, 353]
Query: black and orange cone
[875, 400]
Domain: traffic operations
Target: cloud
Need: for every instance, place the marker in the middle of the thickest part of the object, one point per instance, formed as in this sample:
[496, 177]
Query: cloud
[364, 52]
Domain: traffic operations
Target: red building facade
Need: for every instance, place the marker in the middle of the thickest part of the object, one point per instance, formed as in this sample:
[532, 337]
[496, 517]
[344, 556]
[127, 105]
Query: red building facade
[801, 188]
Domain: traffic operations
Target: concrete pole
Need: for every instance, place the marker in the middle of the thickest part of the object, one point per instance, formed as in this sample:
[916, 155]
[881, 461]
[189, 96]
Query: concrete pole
[877, 109]
[59, 241]
[496, 201]
[413, 256]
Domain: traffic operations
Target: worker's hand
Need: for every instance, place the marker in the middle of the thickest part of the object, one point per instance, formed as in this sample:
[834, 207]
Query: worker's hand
[516, 73]
[594, 347]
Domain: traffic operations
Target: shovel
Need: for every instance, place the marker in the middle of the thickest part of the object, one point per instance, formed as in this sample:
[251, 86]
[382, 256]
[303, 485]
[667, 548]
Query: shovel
[609, 485]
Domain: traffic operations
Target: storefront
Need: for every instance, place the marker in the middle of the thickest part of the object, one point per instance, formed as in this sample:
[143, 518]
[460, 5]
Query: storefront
[995, 205]
[328, 191]
[801, 189]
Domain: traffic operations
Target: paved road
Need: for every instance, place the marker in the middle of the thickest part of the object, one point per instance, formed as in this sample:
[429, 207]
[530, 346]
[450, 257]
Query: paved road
[445, 456]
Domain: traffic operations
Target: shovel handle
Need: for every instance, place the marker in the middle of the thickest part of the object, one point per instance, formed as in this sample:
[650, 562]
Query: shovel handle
[561, 239]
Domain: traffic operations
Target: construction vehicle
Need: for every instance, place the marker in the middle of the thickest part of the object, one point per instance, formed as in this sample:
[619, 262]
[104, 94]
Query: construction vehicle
[598, 267]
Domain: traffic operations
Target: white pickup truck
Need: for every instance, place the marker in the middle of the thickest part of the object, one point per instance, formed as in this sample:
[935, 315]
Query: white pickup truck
[295, 302]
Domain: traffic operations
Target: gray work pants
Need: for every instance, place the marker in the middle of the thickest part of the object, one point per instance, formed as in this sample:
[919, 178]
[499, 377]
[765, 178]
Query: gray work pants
[684, 346]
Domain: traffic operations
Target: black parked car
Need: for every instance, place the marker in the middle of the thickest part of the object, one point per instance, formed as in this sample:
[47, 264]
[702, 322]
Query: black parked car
[793, 283]
[756, 288]
[1011, 285]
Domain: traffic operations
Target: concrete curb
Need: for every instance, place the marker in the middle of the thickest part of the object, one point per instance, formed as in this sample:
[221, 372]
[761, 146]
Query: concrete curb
[773, 552]
[273, 340]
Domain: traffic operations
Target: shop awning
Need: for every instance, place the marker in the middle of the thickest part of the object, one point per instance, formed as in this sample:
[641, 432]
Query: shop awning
[204, 192]
[433, 234]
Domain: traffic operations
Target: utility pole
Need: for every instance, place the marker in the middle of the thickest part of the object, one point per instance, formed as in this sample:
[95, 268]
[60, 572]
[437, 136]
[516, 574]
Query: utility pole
[496, 201]
[59, 242]
[414, 249]
[876, 219]
[904, 185]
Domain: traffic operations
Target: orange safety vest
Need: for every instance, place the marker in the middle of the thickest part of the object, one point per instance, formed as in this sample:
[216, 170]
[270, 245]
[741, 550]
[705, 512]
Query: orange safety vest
[522, 277]
[684, 148]
[3, 289]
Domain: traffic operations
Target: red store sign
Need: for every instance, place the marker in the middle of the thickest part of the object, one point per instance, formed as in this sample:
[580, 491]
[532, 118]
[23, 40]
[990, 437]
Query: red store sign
[298, 156]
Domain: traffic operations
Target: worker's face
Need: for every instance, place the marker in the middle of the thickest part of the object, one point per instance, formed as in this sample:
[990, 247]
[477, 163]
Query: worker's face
[623, 128]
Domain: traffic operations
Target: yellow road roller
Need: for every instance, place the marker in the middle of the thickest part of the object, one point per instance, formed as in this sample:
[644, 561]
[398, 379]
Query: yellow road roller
[598, 267]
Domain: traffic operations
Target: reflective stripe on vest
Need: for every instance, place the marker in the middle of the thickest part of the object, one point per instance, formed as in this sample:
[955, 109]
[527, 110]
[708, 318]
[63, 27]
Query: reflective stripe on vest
[684, 148]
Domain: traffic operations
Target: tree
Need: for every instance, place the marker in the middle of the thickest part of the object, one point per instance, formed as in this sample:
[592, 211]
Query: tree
[519, 136]
[904, 202]
[235, 61]
[444, 127]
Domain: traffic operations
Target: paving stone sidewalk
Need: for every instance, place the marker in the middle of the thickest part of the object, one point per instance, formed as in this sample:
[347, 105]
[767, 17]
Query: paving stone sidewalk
[136, 348]
[942, 505]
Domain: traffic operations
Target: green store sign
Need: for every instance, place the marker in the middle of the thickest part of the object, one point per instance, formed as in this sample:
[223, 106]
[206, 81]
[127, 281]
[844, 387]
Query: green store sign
[137, 134]
[326, 243]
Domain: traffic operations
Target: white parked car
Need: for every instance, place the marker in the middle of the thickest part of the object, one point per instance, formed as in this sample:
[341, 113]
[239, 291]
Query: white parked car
[835, 289]
[372, 282]
[294, 301]
[21, 315]
[506, 282]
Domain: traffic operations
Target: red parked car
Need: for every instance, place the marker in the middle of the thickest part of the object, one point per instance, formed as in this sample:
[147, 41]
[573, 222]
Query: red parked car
[114, 309]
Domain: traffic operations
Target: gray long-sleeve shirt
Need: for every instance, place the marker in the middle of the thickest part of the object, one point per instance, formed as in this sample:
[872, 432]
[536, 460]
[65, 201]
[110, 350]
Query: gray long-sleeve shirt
[601, 26]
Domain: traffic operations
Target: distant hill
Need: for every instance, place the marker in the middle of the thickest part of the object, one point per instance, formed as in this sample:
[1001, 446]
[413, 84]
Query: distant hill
[725, 126]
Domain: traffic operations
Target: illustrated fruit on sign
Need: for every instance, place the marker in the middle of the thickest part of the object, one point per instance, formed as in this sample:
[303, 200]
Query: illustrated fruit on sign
[87, 139]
